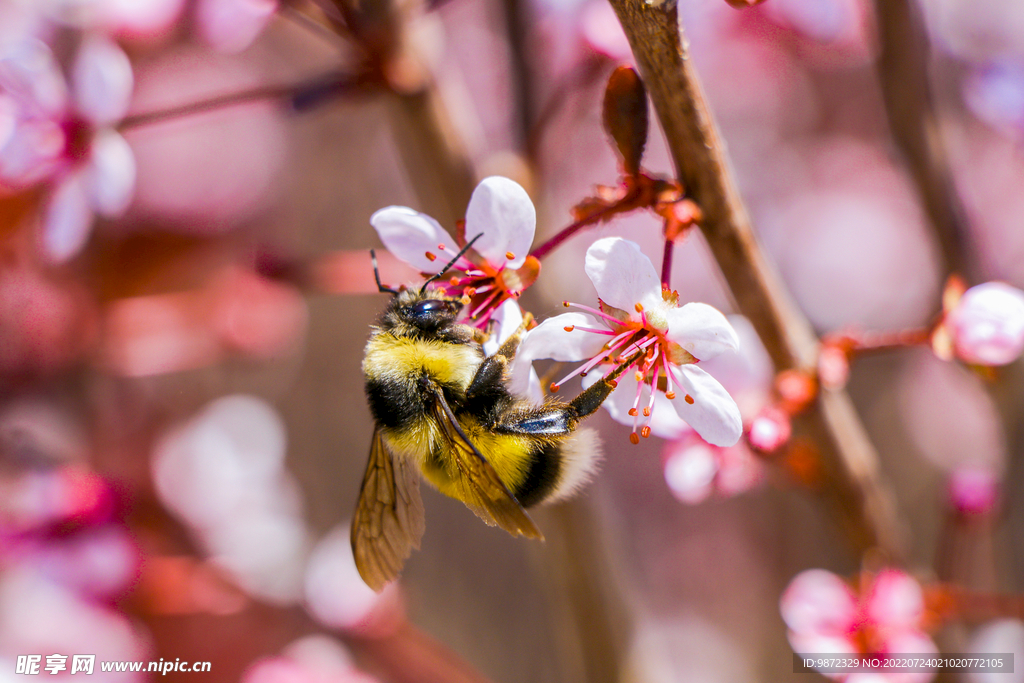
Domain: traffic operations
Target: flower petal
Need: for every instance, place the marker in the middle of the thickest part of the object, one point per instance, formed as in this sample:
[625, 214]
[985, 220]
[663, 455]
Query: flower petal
[690, 470]
[411, 235]
[712, 414]
[551, 340]
[232, 25]
[817, 602]
[67, 220]
[622, 274]
[102, 80]
[896, 601]
[702, 330]
[110, 174]
[30, 74]
[508, 317]
[502, 212]
[32, 152]
[664, 420]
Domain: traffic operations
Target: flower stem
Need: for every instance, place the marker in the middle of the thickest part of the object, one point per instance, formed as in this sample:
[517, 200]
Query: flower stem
[300, 96]
[570, 230]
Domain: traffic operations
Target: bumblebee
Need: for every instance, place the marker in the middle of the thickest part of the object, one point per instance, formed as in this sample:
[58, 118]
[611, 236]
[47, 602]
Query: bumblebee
[442, 410]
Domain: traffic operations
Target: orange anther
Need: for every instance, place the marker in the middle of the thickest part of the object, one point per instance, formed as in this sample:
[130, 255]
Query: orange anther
[553, 388]
[645, 431]
[647, 412]
[688, 399]
[569, 328]
[634, 439]
[632, 412]
[639, 307]
[509, 255]
[431, 257]
[670, 395]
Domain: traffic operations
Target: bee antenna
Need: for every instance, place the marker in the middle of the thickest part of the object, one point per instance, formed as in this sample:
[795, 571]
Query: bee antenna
[376, 275]
[450, 263]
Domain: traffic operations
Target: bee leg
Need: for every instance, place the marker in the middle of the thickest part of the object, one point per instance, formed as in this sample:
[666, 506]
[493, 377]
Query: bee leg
[590, 399]
[511, 345]
[491, 372]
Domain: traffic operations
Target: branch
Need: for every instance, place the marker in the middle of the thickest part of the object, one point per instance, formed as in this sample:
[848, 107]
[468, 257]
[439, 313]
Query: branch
[903, 76]
[849, 460]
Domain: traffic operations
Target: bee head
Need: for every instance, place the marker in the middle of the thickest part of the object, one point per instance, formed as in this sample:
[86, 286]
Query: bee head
[421, 312]
[430, 315]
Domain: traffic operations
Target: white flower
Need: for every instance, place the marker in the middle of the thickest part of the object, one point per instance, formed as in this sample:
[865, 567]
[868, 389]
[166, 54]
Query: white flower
[642, 326]
[62, 133]
[499, 266]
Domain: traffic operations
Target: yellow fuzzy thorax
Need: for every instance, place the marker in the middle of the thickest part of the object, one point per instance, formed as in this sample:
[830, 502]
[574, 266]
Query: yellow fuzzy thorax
[402, 357]
[452, 365]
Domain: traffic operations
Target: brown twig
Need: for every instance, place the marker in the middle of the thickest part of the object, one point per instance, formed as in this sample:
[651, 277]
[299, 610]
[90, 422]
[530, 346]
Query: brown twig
[849, 459]
[903, 76]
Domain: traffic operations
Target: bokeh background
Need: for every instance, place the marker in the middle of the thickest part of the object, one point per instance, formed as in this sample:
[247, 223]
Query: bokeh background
[183, 430]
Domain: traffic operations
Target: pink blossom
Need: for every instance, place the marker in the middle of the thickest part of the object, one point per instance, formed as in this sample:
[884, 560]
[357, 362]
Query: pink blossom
[638, 320]
[695, 470]
[987, 324]
[501, 213]
[337, 597]
[973, 490]
[825, 615]
[770, 430]
[313, 659]
[62, 134]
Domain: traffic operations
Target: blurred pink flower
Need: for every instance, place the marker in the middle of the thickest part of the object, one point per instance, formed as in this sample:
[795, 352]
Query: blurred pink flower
[636, 315]
[232, 25]
[973, 490]
[987, 324]
[502, 214]
[769, 430]
[313, 659]
[694, 469]
[337, 596]
[825, 615]
[223, 474]
[42, 616]
[995, 93]
[62, 134]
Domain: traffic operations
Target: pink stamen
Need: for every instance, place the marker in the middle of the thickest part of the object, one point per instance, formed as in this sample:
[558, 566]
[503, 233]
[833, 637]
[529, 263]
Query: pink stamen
[650, 402]
[669, 377]
[636, 402]
[594, 330]
[640, 347]
[482, 306]
[621, 339]
[595, 311]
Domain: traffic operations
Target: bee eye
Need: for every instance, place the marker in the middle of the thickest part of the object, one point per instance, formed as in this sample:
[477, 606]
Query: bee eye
[427, 306]
[430, 313]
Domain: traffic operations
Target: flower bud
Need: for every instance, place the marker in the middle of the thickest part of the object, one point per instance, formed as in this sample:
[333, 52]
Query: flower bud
[987, 325]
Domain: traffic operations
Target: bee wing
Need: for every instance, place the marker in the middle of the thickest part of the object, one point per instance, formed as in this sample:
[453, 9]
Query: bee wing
[388, 522]
[486, 493]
